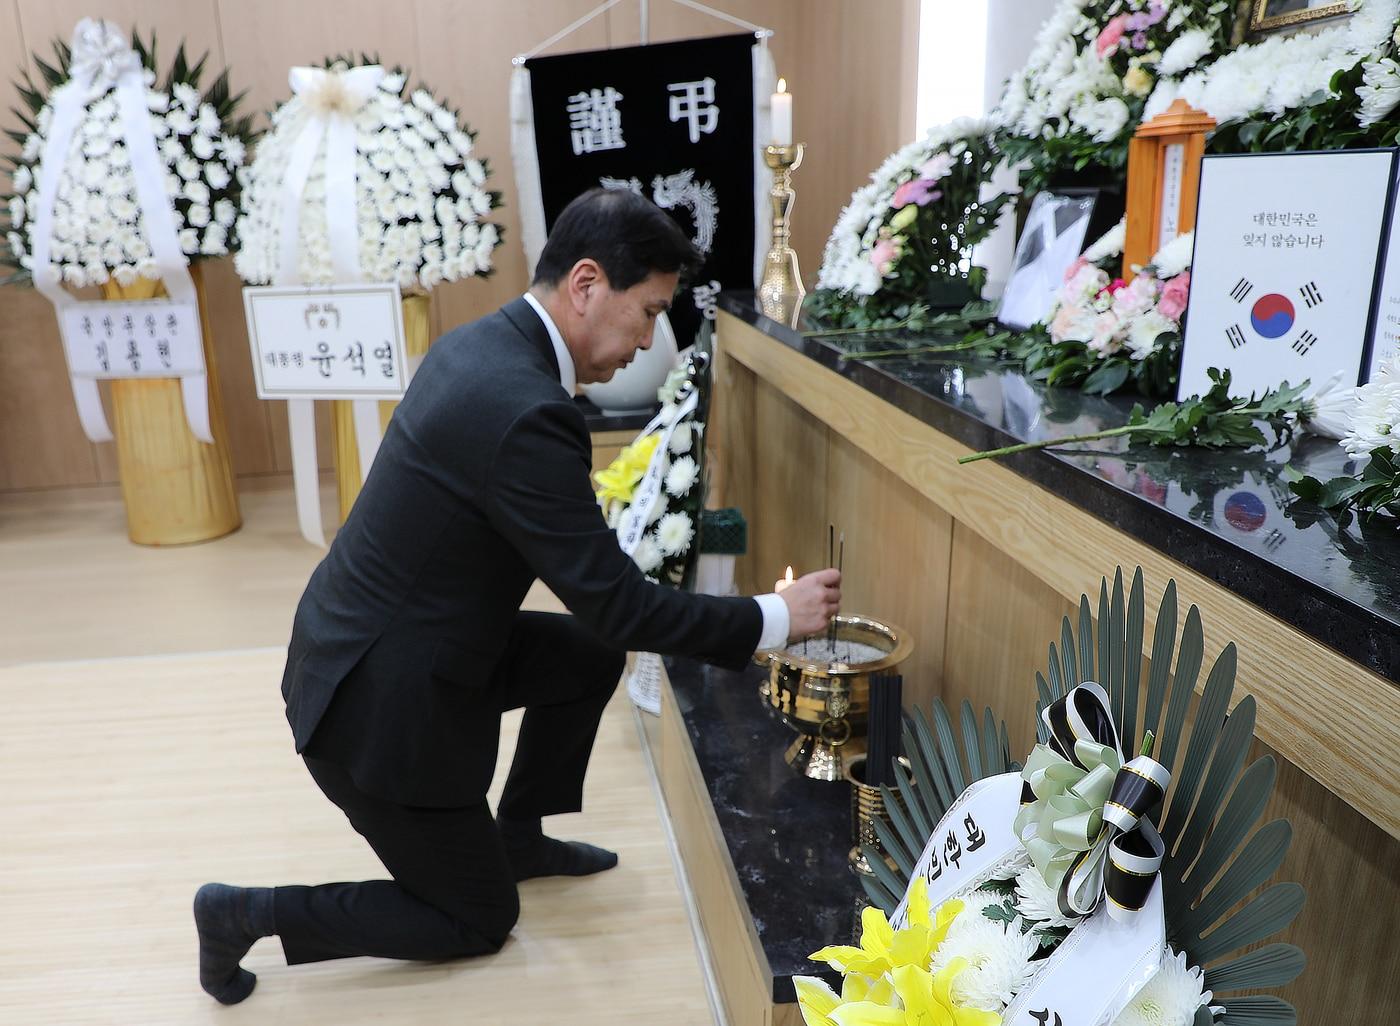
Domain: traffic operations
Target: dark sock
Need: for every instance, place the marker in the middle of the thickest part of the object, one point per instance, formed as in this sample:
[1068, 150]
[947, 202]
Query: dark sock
[533, 854]
[229, 920]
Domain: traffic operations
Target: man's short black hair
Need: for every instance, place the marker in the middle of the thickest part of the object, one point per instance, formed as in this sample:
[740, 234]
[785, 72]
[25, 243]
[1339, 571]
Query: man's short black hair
[629, 236]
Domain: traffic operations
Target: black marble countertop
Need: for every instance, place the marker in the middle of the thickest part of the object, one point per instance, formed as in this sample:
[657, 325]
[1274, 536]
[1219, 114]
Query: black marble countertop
[787, 836]
[599, 421]
[1226, 514]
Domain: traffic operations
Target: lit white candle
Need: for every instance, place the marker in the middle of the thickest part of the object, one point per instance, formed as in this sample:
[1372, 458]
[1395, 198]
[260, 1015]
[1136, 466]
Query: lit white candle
[782, 115]
[786, 582]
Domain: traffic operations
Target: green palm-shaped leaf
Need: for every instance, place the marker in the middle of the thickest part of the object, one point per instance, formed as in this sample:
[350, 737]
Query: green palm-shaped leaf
[1217, 866]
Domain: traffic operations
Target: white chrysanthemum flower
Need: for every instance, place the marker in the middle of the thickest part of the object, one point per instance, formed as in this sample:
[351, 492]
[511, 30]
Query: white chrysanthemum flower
[1379, 91]
[647, 555]
[1185, 51]
[1109, 244]
[1328, 409]
[1036, 900]
[1145, 331]
[1170, 998]
[1104, 120]
[217, 176]
[674, 532]
[682, 438]
[179, 121]
[1376, 413]
[1175, 256]
[682, 476]
[233, 150]
[186, 96]
[999, 960]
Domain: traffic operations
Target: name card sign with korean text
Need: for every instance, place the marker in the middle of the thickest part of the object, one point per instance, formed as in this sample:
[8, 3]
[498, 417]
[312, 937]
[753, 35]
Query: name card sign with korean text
[326, 341]
[149, 338]
[1285, 270]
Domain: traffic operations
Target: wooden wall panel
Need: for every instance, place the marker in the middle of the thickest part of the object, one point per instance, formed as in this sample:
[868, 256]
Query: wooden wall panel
[788, 514]
[851, 112]
[897, 558]
[1351, 869]
[1001, 620]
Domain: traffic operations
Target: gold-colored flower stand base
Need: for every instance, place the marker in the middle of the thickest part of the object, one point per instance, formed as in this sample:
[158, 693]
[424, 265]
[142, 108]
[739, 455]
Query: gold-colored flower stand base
[347, 454]
[177, 489]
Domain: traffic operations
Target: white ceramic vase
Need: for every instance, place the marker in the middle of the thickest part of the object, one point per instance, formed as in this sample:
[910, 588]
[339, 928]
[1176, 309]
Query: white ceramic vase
[633, 389]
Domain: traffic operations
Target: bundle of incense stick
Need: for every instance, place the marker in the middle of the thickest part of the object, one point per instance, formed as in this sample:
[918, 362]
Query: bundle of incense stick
[836, 559]
[886, 719]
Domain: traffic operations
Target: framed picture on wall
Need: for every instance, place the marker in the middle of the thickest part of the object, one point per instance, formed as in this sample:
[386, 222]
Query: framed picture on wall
[1271, 15]
[1288, 253]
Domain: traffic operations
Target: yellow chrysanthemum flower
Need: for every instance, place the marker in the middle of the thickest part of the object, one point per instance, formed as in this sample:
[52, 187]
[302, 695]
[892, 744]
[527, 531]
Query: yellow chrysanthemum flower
[910, 996]
[883, 948]
[816, 1000]
[619, 480]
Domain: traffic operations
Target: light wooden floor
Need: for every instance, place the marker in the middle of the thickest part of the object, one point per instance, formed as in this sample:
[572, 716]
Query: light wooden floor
[129, 779]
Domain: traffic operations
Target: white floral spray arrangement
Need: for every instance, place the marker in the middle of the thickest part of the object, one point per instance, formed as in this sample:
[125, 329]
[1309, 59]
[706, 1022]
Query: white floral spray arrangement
[422, 204]
[1279, 72]
[98, 233]
[669, 542]
[1085, 86]
[911, 227]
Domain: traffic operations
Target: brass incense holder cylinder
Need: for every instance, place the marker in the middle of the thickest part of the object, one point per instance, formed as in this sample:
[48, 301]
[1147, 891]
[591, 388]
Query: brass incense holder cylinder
[867, 807]
[780, 289]
[828, 702]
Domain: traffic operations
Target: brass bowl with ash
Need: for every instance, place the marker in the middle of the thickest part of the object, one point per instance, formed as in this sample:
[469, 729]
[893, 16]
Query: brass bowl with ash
[821, 688]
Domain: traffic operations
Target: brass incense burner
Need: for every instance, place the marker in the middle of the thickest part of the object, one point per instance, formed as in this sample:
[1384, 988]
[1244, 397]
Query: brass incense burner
[828, 701]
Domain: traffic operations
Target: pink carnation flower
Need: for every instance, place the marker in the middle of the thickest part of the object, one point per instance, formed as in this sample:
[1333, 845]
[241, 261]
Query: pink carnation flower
[1111, 36]
[1172, 304]
[883, 255]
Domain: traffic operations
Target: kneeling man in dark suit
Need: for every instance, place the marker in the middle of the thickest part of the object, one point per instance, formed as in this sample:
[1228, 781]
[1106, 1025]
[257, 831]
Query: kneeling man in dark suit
[410, 642]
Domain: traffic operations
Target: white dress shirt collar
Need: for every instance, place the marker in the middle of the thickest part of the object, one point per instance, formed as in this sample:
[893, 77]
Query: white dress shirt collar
[568, 377]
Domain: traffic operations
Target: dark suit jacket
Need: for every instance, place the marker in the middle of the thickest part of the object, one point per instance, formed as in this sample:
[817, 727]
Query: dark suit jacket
[481, 485]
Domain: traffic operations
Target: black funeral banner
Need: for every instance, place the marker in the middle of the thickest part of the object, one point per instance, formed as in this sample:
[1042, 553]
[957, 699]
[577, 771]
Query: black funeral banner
[672, 122]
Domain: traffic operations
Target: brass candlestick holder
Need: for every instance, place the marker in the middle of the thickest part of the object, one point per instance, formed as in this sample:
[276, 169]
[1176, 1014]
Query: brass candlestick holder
[780, 290]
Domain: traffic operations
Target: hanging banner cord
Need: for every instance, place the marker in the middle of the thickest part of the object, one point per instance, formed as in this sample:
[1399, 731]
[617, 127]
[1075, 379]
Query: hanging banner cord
[763, 34]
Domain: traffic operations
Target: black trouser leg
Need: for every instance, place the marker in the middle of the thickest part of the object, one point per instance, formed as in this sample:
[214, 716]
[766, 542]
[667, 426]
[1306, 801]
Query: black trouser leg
[563, 677]
[452, 892]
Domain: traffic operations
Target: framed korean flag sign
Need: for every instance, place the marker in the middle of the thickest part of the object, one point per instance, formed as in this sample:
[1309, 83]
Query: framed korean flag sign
[1287, 256]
